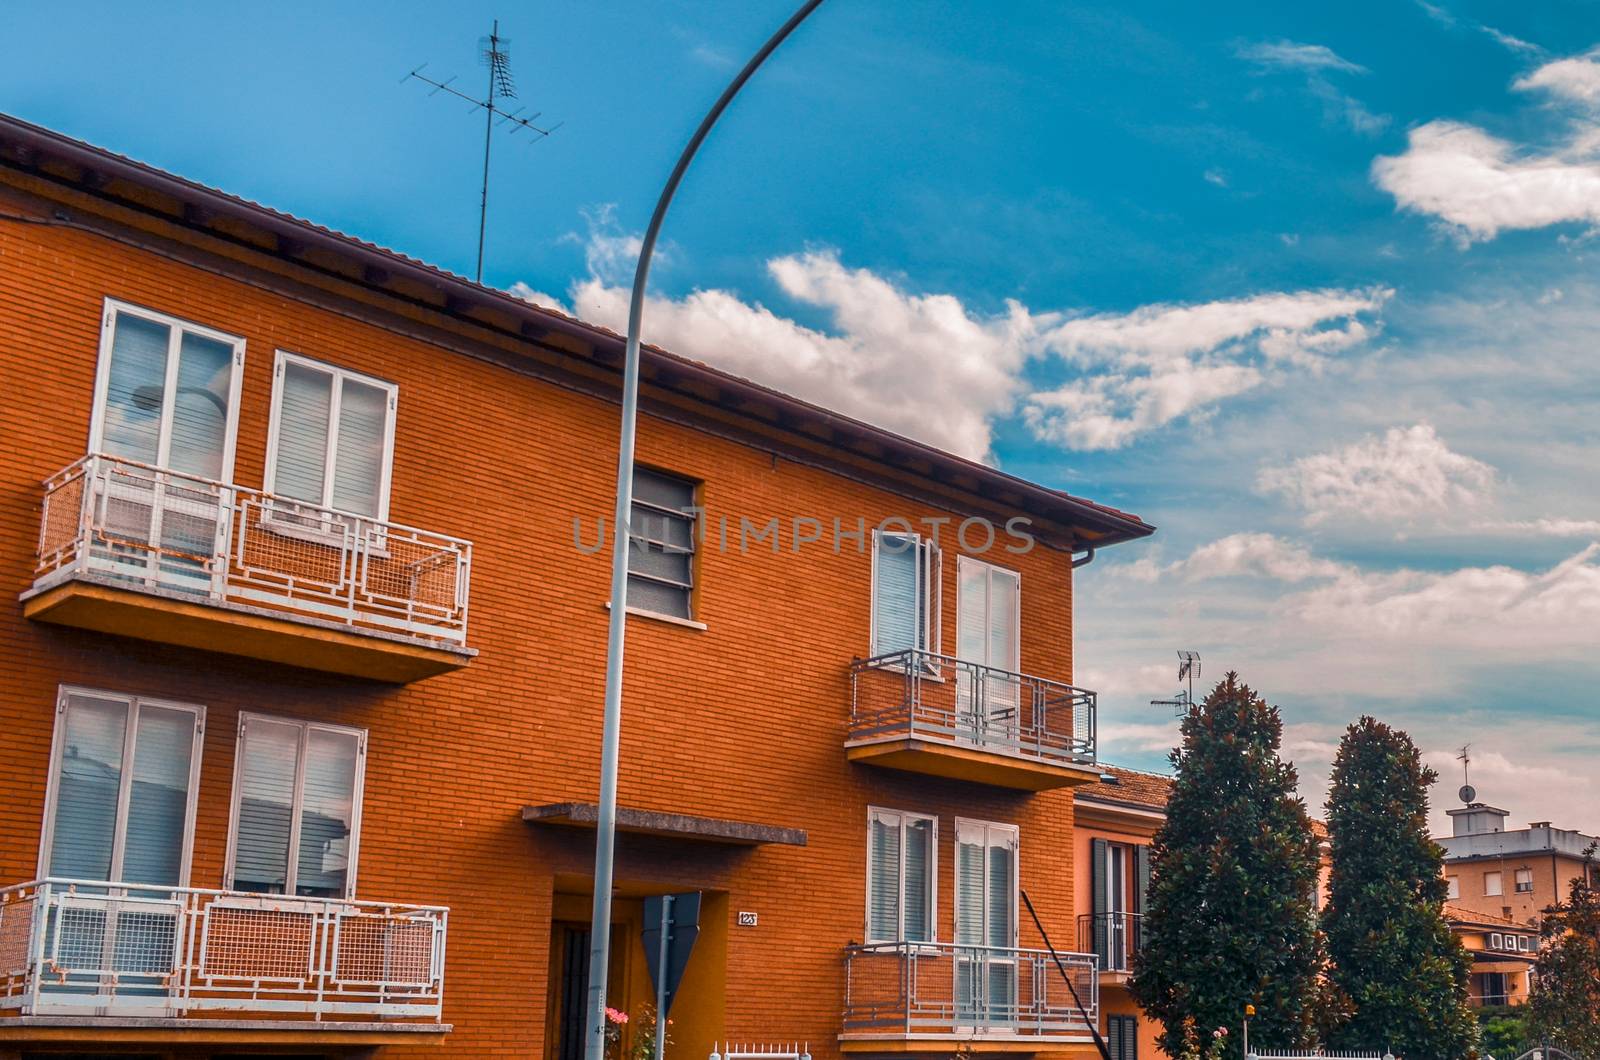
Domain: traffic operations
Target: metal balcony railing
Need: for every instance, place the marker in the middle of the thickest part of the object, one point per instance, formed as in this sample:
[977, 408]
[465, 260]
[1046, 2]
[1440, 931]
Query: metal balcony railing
[912, 989]
[142, 526]
[1114, 938]
[941, 697]
[77, 947]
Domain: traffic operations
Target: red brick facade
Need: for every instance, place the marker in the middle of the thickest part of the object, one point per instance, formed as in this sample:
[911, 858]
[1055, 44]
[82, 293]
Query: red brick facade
[744, 719]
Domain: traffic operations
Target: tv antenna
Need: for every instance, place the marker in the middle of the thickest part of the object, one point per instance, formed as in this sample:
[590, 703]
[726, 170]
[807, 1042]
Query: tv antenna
[1188, 669]
[1467, 792]
[497, 58]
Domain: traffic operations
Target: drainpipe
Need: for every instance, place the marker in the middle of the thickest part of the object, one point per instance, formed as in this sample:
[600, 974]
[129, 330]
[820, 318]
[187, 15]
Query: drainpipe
[1086, 559]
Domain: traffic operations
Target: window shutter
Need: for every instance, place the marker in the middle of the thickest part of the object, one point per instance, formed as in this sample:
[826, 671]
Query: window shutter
[1130, 1038]
[933, 598]
[199, 407]
[359, 456]
[1141, 878]
[897, 594]
[918, 880]
[327, 813]
[269, 753]
[136, 389]
[305, 406]
[158, 806]
[883, 900]
[88, 787]
[1099, 854]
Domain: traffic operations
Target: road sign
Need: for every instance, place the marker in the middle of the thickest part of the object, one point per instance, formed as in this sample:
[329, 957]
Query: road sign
[671, 924]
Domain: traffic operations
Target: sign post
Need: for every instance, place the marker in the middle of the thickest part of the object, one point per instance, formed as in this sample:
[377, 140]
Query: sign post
[671, 925]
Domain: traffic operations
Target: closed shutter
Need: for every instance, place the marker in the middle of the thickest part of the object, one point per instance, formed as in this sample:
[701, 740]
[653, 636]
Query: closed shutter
[918, 880]
[305, 408]
[883, 869]
[1099, 851]
[136, 389]
[1141, 876]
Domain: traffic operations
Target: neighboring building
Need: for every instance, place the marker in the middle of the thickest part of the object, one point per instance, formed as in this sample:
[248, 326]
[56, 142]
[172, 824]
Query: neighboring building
[1116, 819]
[302, 691]
[1503, 954]
[1513, 874]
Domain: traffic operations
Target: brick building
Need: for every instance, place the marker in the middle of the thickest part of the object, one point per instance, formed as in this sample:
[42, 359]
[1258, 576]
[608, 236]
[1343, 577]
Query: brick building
[302, 684]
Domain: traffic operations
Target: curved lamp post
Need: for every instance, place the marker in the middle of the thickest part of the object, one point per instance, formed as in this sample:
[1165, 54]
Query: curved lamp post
[605, 837]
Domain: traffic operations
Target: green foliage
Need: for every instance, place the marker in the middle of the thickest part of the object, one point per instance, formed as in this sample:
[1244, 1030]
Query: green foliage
[1229, 920]
[1504, 1031]
[1399, 975]
[1565, 1006]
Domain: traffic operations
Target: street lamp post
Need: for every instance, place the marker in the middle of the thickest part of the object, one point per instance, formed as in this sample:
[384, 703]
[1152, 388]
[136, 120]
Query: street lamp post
[605, 835]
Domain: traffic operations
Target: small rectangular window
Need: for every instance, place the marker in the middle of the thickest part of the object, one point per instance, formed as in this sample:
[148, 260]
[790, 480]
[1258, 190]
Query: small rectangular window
[902, 856]
[1524, 881]
[1122, 1037]
[906, 579]
[331, 440]
[662, 532]
[1492, 885]
[296, 807]
[1525, 943]
[1496, 941]
[1452, 887]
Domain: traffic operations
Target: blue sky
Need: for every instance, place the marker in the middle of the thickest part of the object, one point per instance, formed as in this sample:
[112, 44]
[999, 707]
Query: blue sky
[1313, 288]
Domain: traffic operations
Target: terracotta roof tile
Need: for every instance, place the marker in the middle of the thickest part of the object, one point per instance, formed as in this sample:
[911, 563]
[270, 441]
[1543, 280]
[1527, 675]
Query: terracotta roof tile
[1132, 788]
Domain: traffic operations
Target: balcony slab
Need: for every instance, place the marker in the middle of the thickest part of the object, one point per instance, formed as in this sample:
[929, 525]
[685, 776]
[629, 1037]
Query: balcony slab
[676, 825]
[75, 1032]
[942, 758]
[105, 605]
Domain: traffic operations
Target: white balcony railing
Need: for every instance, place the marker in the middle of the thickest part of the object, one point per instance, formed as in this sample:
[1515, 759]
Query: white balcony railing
[938, 989]
[142, 526]
[83, 947]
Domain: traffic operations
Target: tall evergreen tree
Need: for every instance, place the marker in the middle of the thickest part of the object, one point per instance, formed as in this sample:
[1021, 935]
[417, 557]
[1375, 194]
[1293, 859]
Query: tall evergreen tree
[1399, 974]
[1565, 1006]
[1229, 918]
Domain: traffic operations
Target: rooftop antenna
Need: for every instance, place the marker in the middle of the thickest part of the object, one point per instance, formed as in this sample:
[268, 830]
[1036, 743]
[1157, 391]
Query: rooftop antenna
[1468, 793]
[496, 56]
[1188, 669]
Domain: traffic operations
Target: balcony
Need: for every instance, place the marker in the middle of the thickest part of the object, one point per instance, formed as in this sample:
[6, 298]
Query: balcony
[936, 714]
[1114, 939]
[150, 553]
[137, 964]
[919, 997]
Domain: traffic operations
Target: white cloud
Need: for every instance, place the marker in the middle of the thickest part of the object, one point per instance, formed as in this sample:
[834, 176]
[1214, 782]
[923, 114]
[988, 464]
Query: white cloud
[1316, 62]
[1546, 527]
[1248, 555]
[927, 366]
[1505, 40]
[1152, 366]
[1481, 185]
[1406, 473]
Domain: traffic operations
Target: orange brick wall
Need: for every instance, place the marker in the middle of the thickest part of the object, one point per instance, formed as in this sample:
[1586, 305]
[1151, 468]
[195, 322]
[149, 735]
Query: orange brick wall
[1107, 823]
[742, 720]
[1552, 879]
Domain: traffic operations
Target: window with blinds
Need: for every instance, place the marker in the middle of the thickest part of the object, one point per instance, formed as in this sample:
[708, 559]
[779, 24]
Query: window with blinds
[1122, 1037]
[167, 392]
[986, 920]
[122, 789]
[331, 438]
[906, 575]
[296, 807]
[662, 532]
[902, 851]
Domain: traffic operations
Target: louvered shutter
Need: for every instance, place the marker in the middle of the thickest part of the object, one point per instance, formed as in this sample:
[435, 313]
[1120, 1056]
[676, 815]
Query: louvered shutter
[361, 446]
[305, 409]
[918, 880]
[88, 787]
[883, 898]
[932, 599]
[897, 595]
[1099, 851]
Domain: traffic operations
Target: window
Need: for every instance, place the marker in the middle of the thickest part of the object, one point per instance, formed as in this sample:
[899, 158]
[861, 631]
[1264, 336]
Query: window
[166, 392]
[296, 788]
[906, 573]
[1122, 1037]
[1525, 943]
[1452, 886]
[121, 795]
[1497, 941]
[331, 441]
[986, 917]
[1524, 881]
[1491, 884]
[902, 858]
[662, 532]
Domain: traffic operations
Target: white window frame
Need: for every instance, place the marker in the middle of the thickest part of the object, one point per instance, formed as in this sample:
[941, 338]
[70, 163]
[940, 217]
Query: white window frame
[284, 358]
[124, 794]
[931, 582]
[297, 806]
[988, 829]
[1517, 881]
[902, 818]
[1014, 664]
[1525, 943]
[1452, 887]
[1499, 885]
[1497, 941]
[116, 307]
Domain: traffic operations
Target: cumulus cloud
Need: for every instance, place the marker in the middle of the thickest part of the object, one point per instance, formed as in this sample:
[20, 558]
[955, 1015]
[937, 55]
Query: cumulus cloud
[1315, 62]
[1545, 527]
[1405, 473]
[1145, 369]
[1480, 185]
[1248, 555]
[928, 366]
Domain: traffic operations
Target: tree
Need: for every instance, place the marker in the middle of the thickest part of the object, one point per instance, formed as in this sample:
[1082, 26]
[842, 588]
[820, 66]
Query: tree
[1229, 917]
[1398, 972]
[1565, 1006]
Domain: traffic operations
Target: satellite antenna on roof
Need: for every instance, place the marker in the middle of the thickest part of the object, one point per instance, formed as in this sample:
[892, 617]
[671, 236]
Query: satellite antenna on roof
[1467, 792]
[497, 58]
